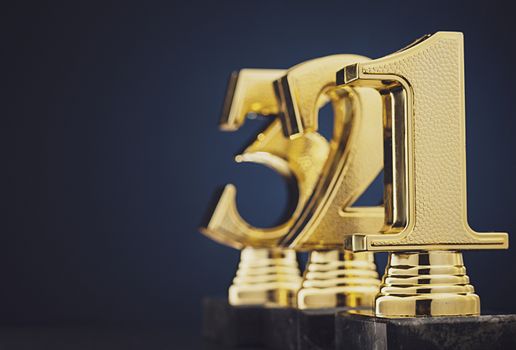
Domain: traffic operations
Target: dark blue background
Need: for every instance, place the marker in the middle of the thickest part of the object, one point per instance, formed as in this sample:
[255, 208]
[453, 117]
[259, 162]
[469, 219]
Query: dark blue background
[111, 152]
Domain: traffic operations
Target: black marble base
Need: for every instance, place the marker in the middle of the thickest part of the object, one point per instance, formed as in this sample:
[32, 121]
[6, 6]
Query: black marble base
[491, 332]
[291, 329]
[233, 326]
[316, 329]
[281, 330]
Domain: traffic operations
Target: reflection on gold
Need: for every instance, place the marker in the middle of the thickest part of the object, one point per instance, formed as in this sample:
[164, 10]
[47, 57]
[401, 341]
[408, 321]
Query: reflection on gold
[422, 88]
[339, 279]
[267, 277]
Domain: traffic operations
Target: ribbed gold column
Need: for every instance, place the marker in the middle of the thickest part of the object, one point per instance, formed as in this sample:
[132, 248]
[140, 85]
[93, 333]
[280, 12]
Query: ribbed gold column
[432, 283]
[268, 277]
[339, 279]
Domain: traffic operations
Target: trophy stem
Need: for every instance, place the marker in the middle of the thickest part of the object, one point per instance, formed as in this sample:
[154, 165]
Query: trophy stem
[335, 278]
[432, 283]
[268, 277]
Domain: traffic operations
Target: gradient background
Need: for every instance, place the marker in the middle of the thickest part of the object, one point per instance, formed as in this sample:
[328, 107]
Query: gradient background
[111, 152]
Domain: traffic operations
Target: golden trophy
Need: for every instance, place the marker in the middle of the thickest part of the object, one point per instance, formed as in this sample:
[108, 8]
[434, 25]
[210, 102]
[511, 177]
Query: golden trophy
[404, 113]
[425, 226]
[333, 279]
[268, 275]
[425, 299]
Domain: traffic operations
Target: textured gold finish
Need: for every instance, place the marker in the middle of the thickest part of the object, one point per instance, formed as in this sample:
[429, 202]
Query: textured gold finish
[422, 87]
[268, 277]
[332, 278]
[301, 160]
[355, 156]
[335, 279]
[422, 284]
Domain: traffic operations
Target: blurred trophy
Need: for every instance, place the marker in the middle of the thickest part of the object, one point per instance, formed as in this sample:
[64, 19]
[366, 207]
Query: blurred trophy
[268, 275]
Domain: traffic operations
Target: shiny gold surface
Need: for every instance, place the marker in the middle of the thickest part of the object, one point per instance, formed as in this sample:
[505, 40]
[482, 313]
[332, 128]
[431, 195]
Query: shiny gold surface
[300, 160]
[332, 278]
[268, 277]
[355, 156]
[422, 88]
[251, 91]
[414, 98]
[422, 284]
[339, 279]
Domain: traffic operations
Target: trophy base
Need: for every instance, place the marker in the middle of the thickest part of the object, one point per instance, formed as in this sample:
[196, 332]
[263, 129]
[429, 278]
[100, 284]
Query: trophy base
[266, 327]
[233, 326]
[293, 329]
[317, 329]
[268, 277]
[281, 330]
[362, 332]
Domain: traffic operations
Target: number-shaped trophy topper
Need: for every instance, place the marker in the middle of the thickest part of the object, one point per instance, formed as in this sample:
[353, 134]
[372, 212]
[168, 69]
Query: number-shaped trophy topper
[422, 88]
[252, 91]
[355, 156]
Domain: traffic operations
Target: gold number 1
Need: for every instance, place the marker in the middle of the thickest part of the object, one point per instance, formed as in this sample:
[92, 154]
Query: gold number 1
[422, 88]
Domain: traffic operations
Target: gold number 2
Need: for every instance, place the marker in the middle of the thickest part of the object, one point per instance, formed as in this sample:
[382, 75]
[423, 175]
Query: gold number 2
[355, 156]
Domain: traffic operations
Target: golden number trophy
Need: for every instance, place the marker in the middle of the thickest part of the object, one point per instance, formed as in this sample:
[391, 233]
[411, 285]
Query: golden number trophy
[404, 113]
[425, 293]
[333, 279]
[268, 275]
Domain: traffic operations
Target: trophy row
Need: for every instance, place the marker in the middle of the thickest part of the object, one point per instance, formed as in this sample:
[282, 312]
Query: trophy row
[404, 114]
